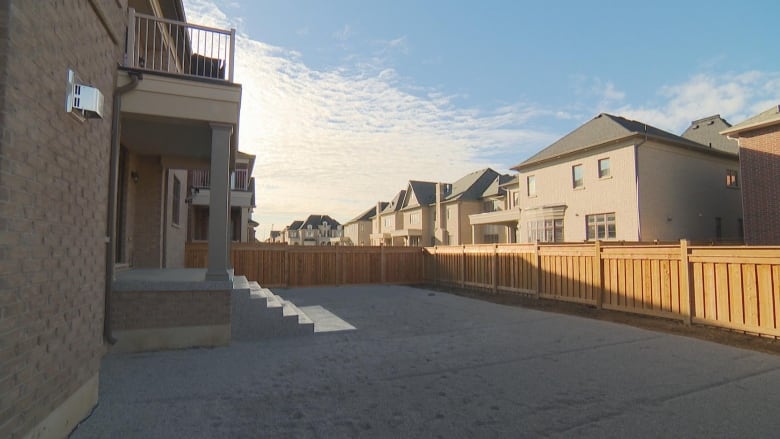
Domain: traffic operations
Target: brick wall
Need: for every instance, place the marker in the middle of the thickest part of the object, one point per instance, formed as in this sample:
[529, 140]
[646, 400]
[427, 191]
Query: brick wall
[760, 168]
[53, 198]
[169, 309]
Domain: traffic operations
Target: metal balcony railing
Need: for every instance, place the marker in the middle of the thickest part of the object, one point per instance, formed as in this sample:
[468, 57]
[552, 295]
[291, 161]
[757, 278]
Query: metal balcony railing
[169, 46]
[240, 180]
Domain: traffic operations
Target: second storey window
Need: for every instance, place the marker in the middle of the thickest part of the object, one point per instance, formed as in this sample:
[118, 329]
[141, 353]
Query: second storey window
[577, 180]
[531, 181]
[604, 168]
[414, 218]
[732, 178]
[388, 222]
[601, 226]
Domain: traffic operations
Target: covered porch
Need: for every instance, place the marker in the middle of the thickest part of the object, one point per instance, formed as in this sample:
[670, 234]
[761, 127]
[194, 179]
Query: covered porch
[501, 225]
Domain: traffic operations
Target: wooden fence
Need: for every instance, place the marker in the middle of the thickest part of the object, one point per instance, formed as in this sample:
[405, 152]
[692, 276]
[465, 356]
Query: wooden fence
[298, 266]
[734, 287]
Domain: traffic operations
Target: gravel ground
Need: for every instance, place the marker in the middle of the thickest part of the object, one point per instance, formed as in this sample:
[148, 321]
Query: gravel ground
[431, 364]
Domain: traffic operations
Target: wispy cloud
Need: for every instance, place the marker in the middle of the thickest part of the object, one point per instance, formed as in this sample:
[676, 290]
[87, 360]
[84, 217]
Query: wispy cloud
[735, 97]
[343, 34]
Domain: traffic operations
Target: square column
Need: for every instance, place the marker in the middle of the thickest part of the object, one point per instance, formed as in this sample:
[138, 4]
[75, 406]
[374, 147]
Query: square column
[219, 204]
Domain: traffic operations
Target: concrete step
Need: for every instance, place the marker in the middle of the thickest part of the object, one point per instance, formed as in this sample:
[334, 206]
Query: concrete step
[258, 313]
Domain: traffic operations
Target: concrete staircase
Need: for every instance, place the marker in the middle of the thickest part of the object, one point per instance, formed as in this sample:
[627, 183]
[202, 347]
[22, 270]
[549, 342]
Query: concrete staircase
[257, 313]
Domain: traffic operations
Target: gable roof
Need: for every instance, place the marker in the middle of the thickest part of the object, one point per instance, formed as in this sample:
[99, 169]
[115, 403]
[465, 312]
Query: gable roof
[497, 187]
[395, 204]
[423, 192]
[295, 225]
[471, 186]
[761, 120]
[370, 213]
[707, 132]
[316, 220]
[603, 129]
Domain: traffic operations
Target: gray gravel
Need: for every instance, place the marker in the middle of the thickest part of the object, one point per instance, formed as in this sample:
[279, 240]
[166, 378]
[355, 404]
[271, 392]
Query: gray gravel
[424, 364]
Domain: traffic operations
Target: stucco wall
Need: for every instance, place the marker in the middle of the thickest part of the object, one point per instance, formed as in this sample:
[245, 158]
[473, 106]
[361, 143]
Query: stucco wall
[682, 192]
[616, 193]
[53, 210]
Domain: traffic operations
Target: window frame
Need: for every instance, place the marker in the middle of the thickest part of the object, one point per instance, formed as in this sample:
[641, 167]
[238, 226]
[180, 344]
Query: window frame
[176, 202]
[574, 179]
[607, 171]
[592, 231]
[530, 182]
[732, 178]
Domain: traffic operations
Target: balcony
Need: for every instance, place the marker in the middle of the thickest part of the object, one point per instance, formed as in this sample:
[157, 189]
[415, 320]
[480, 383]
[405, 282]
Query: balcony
[242, 187]
[185, 87]
[183, 49]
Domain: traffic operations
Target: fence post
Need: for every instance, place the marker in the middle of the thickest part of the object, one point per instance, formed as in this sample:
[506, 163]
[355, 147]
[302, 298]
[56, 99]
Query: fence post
[339, 278]
[286, 267]
[382, 262]
[685, 281]
[463, 267]
[538, 269]
[495, 269]
[435, 267]
[599, 275]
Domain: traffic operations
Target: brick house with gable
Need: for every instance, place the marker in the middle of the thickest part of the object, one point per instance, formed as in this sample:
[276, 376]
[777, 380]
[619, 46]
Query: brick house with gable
[759, 158]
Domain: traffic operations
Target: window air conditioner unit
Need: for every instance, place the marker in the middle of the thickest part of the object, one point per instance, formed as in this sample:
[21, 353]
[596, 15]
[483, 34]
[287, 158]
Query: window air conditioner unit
[84, 101]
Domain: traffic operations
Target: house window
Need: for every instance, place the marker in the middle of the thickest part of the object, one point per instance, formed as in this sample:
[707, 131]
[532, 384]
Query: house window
[547, 230]
[576, 177]
[531, 180]
[516, 198]
[414, 218]
[175, 211]
[601, 226]
[490, 206]
[604, 168]
[388, 221]
[732, 178]
[490, 238]
[414, 241]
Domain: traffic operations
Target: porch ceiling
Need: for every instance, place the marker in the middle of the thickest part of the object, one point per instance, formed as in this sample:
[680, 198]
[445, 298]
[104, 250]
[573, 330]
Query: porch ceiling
[166, 137]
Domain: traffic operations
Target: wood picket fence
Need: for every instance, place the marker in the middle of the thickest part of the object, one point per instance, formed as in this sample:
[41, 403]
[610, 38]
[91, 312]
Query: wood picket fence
[734, 287]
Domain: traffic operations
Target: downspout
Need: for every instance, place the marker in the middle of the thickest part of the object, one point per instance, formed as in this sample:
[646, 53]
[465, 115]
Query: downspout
[113, 184]
[636, 180]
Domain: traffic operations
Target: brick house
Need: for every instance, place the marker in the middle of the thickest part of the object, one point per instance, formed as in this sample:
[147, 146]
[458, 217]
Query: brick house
[759, 156]
[94, 161]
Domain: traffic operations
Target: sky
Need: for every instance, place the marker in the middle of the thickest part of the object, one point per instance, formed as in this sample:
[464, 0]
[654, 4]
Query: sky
[344, 102]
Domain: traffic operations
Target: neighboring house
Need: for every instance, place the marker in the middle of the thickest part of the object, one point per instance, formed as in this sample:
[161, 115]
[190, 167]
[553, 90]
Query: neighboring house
[357, 231]
[619, 179]
[242, 201]
[385, 223]
[118, 105]
[275, 237]
[759, 155]
[316, 230]
[474, 193]
[707, 131]
[291, 234]
[500, 217]
[415, 228]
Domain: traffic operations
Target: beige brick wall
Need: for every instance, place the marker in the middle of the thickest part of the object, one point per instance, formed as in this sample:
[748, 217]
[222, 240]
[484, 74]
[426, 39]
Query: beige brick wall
[760, 171]
[169, 309]
[53, 198]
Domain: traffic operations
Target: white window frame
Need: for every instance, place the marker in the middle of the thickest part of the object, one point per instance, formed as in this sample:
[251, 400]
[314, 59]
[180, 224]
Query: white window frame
[605, 172]
[597, 226]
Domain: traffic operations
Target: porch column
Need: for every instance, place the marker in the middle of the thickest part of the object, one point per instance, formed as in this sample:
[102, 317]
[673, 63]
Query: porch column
[473, 234]
[219, 204]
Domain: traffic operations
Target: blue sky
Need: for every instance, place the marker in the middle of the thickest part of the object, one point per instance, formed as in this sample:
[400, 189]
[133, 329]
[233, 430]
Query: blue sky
[345, 101]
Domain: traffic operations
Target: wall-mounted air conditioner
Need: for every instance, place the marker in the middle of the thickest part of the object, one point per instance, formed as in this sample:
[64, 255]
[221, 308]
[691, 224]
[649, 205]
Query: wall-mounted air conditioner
[84, 101]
